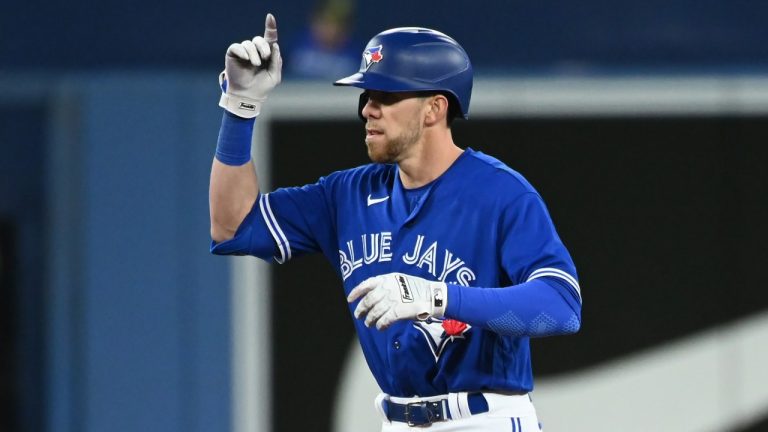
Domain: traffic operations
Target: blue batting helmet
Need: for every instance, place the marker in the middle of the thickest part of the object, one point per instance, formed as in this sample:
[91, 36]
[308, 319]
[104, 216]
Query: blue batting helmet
[410, 59]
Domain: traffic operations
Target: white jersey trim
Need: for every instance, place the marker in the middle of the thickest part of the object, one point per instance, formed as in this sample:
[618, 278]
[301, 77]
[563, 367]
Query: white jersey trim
[274, 228]
[550, 271]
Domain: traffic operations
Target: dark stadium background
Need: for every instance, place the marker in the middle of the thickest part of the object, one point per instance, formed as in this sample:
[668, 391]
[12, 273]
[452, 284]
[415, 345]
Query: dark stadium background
[640, 203]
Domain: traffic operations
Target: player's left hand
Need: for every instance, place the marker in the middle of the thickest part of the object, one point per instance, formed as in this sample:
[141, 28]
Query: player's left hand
[396, 296]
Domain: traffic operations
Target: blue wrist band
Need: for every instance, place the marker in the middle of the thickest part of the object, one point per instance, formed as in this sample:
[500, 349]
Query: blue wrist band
[234, 145]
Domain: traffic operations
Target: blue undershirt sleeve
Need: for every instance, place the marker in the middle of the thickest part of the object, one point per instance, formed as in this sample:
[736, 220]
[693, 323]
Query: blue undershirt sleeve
[545, 306]
[234, 144]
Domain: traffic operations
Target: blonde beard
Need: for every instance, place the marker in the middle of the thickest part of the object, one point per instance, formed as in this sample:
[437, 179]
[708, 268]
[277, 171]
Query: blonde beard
[394, 151]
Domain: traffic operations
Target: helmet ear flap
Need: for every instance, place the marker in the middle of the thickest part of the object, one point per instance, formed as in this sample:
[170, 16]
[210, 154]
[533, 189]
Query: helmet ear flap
[361, 104]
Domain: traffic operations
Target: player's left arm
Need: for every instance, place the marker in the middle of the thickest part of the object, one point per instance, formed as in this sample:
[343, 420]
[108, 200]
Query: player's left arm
[545, 299]
[537, 308]
[547, 303]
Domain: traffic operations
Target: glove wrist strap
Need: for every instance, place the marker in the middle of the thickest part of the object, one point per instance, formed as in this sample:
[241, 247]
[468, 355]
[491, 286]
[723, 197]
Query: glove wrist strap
[439, 299]
[241, 106]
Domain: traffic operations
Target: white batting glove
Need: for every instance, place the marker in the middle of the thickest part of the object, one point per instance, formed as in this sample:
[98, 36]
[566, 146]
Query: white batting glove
[251, 69]
[396, 296]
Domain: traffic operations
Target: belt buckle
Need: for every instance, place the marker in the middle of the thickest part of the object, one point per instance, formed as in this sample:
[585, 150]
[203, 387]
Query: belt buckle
[421, 405]
[428, 415]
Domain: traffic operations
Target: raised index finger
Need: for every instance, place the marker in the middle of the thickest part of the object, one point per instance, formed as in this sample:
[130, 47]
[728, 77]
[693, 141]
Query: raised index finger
[270, 29]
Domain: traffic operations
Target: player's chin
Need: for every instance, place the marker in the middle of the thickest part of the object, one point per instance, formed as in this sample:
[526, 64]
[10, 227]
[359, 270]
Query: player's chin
[377, 150]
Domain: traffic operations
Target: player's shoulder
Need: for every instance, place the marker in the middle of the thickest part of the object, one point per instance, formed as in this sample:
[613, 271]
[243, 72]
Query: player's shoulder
[370, 170]
[368, 174]
[491, 171]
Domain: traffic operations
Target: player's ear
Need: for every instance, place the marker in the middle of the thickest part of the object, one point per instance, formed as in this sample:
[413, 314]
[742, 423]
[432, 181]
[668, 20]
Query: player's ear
[437, 109]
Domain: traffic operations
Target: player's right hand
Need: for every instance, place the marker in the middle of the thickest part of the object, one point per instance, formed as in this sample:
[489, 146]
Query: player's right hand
[252, 69]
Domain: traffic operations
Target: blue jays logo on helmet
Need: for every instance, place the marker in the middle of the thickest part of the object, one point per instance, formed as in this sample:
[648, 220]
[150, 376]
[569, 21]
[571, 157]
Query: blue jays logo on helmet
[372, 55]
[418, 59]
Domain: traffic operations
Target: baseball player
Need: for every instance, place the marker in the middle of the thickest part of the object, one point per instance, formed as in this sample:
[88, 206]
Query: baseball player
[449, 259]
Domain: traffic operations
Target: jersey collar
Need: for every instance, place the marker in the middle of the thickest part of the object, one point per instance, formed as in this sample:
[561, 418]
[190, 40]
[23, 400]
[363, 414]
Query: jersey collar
[398, 195]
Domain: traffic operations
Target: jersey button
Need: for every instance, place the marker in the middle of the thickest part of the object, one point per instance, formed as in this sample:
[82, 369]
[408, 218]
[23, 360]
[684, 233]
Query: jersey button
[396, 344]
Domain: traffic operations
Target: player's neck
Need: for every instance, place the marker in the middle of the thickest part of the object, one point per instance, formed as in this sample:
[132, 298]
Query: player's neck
[428, 160]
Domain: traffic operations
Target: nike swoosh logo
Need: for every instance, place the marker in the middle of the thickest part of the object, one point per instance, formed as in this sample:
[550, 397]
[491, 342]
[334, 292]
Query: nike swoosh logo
[372, 201]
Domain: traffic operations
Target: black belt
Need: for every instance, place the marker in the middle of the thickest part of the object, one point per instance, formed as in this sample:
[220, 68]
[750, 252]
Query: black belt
[425, 413]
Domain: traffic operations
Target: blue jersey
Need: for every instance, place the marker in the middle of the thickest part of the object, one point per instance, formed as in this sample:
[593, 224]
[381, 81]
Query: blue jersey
[480, 224]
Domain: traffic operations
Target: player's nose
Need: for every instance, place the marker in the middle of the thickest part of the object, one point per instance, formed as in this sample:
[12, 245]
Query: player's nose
[370, 109]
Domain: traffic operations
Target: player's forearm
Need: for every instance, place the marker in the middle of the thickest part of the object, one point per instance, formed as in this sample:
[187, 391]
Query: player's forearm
[233, 184]
[538, 308]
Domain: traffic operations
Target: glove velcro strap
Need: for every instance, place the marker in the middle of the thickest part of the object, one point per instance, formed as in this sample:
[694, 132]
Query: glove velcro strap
[241, 106]
[438, 296]
[439, 299]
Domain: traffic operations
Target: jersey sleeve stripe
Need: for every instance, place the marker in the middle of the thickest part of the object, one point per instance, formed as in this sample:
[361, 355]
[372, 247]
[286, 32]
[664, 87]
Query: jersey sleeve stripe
[274, 229]
[549, 271]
